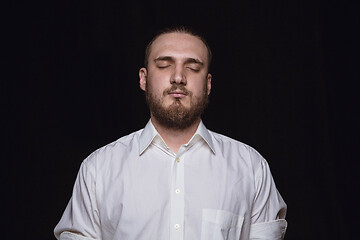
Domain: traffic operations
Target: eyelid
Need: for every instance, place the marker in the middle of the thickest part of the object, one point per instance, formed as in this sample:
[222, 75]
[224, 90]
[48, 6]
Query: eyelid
[163, 63]
[194, 69]
[159, 61]
[163, 66]
[194, 66]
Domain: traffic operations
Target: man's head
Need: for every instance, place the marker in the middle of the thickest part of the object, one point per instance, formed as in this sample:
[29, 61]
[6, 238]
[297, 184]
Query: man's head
[177, 29]
[176, 79]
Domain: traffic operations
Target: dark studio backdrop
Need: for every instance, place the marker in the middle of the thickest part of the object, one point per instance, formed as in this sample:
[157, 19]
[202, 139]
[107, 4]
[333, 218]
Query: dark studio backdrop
[284, 81]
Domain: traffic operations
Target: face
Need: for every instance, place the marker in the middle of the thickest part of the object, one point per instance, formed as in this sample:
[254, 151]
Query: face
[176, 82]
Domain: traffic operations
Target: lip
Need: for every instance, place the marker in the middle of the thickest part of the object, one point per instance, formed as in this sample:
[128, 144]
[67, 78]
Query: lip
[177, 94]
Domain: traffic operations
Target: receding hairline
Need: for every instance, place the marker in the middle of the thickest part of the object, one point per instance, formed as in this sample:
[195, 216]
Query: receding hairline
[167, 38]
[180, 30]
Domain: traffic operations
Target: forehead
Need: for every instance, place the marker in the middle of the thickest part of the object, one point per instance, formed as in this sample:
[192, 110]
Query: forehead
[180, 45]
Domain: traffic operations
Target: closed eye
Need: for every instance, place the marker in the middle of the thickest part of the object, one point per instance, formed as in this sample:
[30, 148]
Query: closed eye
[163, 66]
[193, 69]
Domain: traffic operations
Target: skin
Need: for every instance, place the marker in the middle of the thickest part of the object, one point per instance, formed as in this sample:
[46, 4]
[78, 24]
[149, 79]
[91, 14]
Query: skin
[176, 58]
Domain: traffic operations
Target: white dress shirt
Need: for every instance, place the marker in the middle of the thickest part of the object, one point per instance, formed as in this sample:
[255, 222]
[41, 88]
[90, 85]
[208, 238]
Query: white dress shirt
[137, 188]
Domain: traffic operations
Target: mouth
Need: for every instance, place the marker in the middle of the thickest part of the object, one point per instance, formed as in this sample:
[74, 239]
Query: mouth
[178, 94]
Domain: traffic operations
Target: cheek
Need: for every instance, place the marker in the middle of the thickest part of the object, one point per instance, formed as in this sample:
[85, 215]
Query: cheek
[156, 93]
[200, 87]
[154, 83]
[158, 80]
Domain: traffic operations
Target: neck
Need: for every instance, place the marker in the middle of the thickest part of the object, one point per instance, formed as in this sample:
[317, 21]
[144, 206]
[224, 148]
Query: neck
[174, 138]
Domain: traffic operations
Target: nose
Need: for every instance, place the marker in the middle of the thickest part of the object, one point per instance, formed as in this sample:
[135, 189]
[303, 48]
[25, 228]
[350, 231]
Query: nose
[179, 75]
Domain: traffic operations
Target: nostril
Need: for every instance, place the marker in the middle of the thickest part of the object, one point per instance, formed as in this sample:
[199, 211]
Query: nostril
[178, 79]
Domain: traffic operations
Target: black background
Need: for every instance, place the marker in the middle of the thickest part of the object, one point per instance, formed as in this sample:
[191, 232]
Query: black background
[285, 79]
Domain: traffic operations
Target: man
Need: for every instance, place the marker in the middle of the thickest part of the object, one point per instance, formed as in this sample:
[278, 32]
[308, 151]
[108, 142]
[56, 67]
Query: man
[174, 179]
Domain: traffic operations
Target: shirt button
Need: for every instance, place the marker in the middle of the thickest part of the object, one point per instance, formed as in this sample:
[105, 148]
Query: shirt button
[177, 191]
[177, 160]
[176, 226]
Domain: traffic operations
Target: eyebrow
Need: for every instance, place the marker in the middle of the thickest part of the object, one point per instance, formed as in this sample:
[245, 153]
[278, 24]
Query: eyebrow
[171, 59]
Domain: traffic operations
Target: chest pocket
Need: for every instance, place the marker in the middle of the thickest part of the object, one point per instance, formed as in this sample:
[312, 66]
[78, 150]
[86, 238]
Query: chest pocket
[220, 225]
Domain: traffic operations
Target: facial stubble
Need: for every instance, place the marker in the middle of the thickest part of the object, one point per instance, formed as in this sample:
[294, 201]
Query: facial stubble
[176, 116]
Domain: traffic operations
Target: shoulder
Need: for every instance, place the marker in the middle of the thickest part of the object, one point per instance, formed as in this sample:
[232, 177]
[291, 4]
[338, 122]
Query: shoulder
[231, 144]
[227, 146]
[114, 150]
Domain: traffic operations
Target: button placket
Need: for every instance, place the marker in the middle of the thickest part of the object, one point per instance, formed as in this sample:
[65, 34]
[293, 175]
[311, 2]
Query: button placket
[177, 200]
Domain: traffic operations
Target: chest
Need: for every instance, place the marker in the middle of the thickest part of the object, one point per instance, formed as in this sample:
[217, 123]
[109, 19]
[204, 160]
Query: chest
[161, 190]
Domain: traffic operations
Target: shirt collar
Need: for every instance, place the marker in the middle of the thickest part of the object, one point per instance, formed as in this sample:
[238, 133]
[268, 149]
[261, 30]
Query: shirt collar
[149, 133]
[203, 132]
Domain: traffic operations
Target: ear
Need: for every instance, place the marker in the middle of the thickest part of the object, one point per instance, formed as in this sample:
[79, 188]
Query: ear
[208, 82]
[142, 77]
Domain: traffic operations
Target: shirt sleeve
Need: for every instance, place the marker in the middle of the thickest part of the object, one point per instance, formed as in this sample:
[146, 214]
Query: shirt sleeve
[80, 220]
[269, 209]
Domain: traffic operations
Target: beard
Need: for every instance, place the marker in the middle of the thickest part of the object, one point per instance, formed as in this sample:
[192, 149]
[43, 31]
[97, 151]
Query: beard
[177, 116]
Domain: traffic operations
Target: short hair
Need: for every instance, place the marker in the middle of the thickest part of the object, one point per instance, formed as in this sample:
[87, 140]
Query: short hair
[177, 29]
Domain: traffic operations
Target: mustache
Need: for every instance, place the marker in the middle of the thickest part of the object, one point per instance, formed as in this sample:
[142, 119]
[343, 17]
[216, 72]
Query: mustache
[175, 87]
